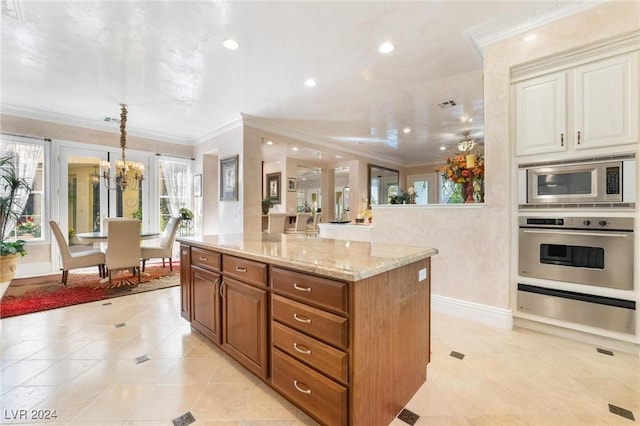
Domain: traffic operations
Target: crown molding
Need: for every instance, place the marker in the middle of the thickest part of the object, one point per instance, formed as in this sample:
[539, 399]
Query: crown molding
[210, 134]
[68, 120]
[269, 125]
[483, 35]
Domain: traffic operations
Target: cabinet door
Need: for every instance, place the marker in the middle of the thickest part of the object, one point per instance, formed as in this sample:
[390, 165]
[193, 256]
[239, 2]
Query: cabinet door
[540, 114]
[244, 322]
[185, 283]
[606, 102]
[206, 303]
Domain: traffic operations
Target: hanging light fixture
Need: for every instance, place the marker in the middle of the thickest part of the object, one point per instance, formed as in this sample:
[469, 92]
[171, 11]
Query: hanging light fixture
[466, 144]
[122, 179]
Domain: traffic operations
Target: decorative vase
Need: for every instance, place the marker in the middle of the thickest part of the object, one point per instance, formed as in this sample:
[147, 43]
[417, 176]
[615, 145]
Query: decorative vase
[469, 193]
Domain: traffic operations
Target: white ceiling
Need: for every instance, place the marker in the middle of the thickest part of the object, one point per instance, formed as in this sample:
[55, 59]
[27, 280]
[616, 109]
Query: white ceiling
[75, 62]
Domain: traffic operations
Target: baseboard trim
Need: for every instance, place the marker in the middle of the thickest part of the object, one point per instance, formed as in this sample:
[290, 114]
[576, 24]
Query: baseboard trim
[484, 314]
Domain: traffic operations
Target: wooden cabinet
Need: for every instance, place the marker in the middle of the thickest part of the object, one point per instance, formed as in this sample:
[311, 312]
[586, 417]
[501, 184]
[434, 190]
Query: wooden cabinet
[328, 346]
[592, 104]
[310, 343]
[244, 313]
[185, 282]
[206, 315]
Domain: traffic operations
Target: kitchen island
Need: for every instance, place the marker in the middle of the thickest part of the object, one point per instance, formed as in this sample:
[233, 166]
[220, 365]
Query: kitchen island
[339, 328]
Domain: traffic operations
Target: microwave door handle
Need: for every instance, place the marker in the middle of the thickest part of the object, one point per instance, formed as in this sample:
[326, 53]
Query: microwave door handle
[582, 234]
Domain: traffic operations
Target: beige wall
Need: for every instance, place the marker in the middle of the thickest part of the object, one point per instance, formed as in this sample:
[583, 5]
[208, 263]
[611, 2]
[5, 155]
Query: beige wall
[475, 246]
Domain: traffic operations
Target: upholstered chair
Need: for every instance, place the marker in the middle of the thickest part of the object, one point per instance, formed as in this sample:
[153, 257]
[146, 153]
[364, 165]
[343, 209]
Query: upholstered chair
[81, 259]
[275, 223]
[300, 226]
[312, 228]
[165, 248]
[123, 246]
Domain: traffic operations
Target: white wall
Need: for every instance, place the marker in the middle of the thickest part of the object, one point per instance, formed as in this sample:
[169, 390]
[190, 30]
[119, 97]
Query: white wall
[220, 217]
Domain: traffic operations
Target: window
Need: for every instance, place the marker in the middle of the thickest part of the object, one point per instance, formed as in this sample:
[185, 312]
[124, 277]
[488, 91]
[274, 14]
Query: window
[176, 191]
[29, 159]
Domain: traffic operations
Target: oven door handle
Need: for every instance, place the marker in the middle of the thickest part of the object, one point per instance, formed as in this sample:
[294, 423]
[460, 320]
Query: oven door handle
[581, 234]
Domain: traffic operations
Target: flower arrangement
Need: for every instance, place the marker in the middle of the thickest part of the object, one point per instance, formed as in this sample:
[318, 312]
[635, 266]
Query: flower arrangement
[463, 168]
[31, 225]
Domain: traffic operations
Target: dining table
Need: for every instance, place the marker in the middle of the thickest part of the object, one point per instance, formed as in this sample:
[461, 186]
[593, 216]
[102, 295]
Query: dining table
[102, 237]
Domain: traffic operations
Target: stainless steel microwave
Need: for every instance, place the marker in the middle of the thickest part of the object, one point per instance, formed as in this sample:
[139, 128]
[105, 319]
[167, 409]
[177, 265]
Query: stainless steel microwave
[597, 182]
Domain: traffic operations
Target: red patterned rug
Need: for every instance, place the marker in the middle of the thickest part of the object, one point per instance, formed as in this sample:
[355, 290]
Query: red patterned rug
[82, 288]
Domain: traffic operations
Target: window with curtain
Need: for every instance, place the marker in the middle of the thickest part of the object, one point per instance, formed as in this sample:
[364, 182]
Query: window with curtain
[176, 188]
[28, 156]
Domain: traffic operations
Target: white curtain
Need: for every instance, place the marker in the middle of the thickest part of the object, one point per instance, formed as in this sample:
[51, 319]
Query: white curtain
[25, 159]
[178, 180]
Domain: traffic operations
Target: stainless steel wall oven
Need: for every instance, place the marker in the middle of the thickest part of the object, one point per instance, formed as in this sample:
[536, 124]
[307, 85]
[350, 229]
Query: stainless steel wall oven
[593, 251]
[583, 250]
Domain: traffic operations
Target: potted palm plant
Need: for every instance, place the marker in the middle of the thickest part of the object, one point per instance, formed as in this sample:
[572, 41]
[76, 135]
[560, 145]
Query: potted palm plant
[12, 203]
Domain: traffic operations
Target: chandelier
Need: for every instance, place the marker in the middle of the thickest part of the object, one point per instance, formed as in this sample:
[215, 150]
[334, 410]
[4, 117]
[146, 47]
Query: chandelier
[466, 144]
[122, 180]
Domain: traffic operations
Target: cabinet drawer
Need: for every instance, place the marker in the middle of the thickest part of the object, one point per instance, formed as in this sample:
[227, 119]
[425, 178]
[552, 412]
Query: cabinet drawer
[322, 292]
[323, 325]
[245, 270]
[325, 358]
[205, 258]
[319, 396]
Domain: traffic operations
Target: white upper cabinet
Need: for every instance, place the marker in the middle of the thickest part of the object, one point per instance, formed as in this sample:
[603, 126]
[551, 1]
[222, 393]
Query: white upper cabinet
[606, 102]
[577, 103]
[541, 117]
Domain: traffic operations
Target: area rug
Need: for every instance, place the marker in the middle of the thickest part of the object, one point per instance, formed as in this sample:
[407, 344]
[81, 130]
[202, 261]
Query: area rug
[82, 288]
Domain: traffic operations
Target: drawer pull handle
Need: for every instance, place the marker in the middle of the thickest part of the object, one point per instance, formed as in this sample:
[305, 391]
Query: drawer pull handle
[301, 348]
[307, 390]
[300, 318]
[184, 252]
[239, 269]
[300, 288]
[204, 259]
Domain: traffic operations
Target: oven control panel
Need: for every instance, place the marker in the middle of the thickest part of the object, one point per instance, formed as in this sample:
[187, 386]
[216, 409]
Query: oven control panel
[608, 223]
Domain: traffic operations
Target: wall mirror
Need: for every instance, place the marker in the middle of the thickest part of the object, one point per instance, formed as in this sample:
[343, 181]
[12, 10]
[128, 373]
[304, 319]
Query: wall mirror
[382, 183]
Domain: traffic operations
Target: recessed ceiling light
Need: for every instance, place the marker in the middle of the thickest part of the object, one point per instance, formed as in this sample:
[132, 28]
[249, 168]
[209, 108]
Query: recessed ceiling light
[442, 148]
[310, 82]
[295, 148]
[529, 38]
[407, 130]
[269, 142]
[386, 47]
[230, 44]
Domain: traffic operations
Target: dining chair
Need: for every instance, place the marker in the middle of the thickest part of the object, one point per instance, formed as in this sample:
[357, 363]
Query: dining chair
[165, 248]
[312, 229]
[77, 260]
[300, 227]
[275, 223]
[123, 246]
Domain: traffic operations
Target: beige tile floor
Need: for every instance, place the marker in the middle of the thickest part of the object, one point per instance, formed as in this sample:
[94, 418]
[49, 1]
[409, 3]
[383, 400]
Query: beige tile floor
[77, 362]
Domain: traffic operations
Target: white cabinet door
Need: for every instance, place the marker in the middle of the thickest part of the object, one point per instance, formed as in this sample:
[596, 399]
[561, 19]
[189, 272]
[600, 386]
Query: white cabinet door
[541, 117]
[606, 102]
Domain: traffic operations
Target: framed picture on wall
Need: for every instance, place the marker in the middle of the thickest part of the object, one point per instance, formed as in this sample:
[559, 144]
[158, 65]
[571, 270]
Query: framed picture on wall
[197, 186]
[229, 179]
[292, 184]
[273, 187]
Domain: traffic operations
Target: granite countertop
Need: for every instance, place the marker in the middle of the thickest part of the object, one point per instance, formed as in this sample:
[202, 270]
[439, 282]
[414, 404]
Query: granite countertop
[340, 259]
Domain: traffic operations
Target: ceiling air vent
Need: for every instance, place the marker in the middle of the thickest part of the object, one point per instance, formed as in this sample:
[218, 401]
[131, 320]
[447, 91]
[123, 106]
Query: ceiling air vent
[447, 104]
[111, 120]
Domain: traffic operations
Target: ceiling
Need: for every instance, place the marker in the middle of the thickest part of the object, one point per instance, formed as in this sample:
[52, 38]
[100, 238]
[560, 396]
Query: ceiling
[75, 62]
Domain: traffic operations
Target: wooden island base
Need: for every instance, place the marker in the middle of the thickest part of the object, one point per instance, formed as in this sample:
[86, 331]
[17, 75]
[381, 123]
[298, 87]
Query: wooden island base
[346, 347]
